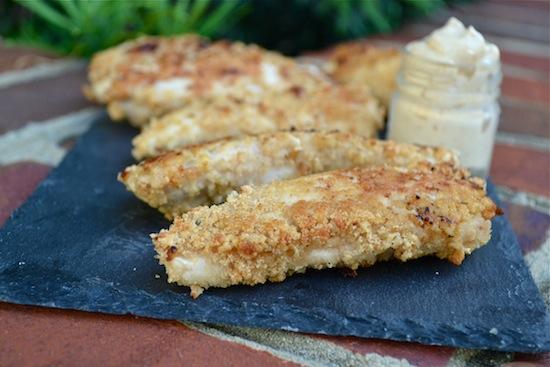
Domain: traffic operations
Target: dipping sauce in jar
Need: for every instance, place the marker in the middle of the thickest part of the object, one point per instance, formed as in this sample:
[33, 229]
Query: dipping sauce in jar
[447, 94]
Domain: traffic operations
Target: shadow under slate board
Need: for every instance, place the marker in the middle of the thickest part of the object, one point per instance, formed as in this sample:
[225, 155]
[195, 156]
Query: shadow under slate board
[81, 242]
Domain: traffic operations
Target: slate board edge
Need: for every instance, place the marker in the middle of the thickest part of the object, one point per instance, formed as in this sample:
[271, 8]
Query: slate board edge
[428, 336]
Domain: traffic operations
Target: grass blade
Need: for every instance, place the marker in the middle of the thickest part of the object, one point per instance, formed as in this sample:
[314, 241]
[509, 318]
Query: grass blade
[198, 8]
[217, 20]
[371, 8]
[70, 8]
[41, 9]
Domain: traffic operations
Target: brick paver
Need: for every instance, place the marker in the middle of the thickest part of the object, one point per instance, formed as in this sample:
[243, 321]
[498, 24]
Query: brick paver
[69, 338]
[17, 182]
[41, 100]
[521, 168]
[531, 226]
[521, 117]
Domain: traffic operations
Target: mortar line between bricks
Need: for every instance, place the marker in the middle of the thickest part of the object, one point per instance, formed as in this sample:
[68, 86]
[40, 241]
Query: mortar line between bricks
[248, 343]
[40, 141]
[476, 357]
[38, 72]
[511, 101]
[523, 140]
[297, 348]
[539, 203]
[538, 261]
[523, 73]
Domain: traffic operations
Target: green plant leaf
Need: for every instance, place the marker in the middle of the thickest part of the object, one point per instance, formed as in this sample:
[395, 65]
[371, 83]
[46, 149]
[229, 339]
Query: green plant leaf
[71, 9]
[197, 9]
[218, 18]
[83, 27]
[40, 8]
[371, 8]
[425, 6]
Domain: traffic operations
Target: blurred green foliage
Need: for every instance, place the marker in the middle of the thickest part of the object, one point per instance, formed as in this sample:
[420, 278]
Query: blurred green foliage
[294, 26]
[82, 27]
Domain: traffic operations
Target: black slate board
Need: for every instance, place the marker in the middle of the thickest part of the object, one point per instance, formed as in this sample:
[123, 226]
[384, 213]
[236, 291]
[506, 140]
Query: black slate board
[81, 242]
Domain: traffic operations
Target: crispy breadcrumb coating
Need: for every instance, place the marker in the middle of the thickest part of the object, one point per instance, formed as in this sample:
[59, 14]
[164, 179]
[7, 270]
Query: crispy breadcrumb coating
[347, 218]
[206, 174]
[366, 65]
[343, 108]
[151, 76]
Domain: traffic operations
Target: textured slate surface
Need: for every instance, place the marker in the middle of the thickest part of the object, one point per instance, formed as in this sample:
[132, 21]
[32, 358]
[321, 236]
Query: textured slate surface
[81, 242]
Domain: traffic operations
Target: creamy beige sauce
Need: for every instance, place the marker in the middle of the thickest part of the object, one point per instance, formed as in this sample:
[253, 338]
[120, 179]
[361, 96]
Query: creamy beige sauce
[455, 44]
[447, 94]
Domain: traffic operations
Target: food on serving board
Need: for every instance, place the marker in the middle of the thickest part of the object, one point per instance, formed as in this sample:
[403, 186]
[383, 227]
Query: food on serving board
[227, 115]
[151, 76]
[347, 218]
[366, 65]
[206, 174]
[329, 108]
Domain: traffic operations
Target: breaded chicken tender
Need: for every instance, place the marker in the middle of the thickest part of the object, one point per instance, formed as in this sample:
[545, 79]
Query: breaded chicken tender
[342, 108]
[151, 76]
[367, 65]
[206, 174]
[349, 218]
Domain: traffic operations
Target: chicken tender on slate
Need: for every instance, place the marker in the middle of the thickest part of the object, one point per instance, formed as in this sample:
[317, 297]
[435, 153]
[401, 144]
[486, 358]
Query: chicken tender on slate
[150, 76]
[330, 108]
[366, 65]
[342, 218]
[206, 174]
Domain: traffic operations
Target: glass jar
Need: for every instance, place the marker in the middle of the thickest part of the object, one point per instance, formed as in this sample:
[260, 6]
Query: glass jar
[444, 104]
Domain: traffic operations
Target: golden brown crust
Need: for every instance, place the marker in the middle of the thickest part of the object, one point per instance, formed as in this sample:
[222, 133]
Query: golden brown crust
[201, 175]
[153, 75]
[367, 65]
[337, 219]
[119, 70]
[343, 108]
